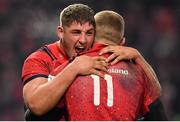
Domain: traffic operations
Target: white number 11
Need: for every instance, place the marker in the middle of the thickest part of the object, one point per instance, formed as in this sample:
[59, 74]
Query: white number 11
[109, 82]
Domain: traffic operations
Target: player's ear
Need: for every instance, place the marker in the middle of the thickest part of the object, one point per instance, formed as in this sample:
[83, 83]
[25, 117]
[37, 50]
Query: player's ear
[123, 41]
[60, 31]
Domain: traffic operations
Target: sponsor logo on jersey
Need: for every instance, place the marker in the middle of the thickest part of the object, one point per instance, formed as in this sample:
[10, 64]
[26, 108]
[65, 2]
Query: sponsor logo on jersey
[118, 71]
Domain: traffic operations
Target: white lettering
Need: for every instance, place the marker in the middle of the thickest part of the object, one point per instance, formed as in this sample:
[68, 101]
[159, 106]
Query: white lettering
[118, 71]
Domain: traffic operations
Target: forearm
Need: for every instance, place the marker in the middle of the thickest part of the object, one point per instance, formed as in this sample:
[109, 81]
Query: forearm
[148, 71]
[141, 61]
[43, 97]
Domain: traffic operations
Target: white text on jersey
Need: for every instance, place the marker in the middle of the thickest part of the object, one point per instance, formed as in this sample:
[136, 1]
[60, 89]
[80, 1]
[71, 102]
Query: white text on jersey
[118, 71]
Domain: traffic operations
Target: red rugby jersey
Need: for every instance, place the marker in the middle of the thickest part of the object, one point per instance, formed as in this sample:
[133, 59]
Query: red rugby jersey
[124, 93]
[42, 62]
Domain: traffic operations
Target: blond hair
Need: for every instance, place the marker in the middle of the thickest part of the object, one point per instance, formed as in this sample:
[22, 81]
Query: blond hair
[109, 26]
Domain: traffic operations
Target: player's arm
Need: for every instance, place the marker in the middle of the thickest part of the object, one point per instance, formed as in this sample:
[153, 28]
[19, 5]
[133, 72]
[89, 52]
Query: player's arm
[41, 95]
[148, 70]
[128, 53]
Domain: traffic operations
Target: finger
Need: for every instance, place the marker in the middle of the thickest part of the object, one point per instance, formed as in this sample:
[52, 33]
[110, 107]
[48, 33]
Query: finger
[101, 68]
[117, 59]
[107, 49]
[104, 63]
[111, 57]
[99, 58]
[102, 60]
[97, 72]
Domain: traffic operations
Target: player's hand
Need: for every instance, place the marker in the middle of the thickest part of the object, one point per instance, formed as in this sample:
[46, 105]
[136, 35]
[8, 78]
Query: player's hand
[86, 65]
[120, 53]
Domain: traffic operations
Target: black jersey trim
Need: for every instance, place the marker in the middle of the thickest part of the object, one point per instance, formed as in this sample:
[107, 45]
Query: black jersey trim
[56, 114]
[48, 51]
[34, 76]
[157, 112]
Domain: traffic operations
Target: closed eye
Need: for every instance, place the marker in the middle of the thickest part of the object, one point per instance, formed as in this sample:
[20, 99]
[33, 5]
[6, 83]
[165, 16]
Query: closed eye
[90, 32]
[76, 32]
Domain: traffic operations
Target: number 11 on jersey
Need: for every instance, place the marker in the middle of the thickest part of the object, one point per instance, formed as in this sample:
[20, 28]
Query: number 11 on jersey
[96, 80]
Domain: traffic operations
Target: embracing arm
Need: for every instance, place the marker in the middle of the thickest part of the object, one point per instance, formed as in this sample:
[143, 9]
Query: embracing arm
[41, 95]
[148, 70]
[128, 53]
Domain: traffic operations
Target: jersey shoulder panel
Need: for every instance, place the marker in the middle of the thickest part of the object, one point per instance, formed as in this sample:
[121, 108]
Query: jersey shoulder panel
[36, 64]
[43, 61]
[57, 52]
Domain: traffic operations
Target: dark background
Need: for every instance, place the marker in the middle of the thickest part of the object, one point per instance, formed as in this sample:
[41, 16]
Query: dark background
[152, 26]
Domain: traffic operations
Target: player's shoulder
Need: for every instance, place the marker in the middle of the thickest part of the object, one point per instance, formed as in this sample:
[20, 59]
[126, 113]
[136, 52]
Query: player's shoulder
[43, 53]
[38, 54]
[129, 68]
[127, 64]
[132, 64]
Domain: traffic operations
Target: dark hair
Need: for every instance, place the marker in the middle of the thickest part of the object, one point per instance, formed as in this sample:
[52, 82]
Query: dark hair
[77, 12]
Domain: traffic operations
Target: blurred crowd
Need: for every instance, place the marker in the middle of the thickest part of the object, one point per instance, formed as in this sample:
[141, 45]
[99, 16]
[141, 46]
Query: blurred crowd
[151, 26]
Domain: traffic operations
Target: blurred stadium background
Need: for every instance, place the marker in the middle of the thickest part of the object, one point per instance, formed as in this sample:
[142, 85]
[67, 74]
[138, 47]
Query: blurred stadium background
[152, 26]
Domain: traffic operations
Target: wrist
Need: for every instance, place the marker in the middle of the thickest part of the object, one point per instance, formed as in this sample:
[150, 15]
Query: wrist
[73, 68]
[138, 58]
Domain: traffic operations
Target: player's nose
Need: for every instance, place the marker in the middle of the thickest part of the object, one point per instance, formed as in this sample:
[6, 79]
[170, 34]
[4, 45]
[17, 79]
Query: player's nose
[83, 39]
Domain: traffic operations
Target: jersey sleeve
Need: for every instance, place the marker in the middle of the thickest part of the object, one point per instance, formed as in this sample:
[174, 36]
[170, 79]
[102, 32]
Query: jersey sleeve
[152, 91]
[36, 65]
